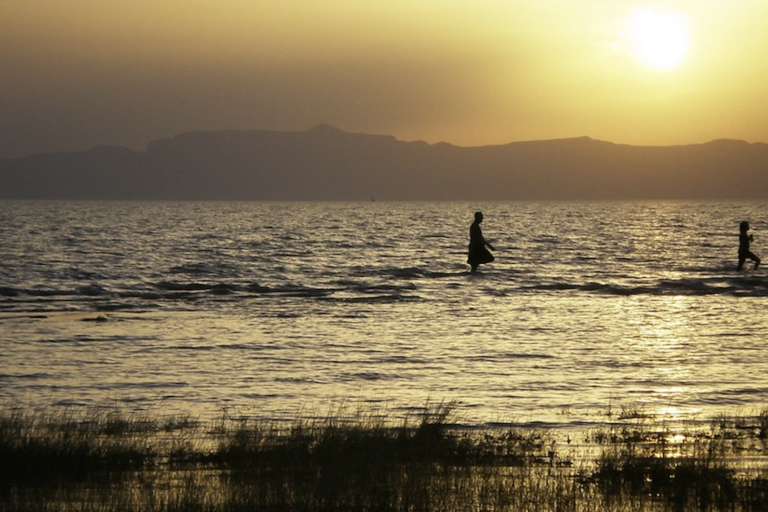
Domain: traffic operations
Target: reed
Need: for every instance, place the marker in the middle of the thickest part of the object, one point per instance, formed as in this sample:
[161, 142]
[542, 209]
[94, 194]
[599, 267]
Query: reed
[105, 460]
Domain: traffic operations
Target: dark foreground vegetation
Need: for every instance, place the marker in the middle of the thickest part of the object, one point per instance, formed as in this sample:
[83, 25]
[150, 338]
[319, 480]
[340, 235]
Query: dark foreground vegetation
[105, 461]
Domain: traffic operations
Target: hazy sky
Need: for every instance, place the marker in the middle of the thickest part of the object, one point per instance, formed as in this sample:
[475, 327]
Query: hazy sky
[80, 73]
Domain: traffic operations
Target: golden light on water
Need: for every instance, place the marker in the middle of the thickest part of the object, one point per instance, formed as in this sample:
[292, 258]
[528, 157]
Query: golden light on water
[676, 439]
[675, 414]
[663, 327]
[674, 447]
[662, 345]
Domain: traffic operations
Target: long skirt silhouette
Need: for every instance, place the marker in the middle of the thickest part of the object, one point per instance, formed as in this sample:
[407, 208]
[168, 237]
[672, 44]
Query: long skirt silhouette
[479, 254]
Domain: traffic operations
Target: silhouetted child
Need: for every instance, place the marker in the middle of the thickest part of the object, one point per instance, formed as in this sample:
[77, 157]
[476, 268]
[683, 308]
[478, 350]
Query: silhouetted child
[478, 254]
[744, 252]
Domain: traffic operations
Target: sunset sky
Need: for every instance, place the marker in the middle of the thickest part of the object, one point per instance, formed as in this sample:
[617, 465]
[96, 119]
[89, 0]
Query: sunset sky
[87, 72]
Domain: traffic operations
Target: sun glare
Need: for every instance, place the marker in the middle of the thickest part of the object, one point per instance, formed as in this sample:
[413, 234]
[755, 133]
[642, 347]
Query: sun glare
[658, 39]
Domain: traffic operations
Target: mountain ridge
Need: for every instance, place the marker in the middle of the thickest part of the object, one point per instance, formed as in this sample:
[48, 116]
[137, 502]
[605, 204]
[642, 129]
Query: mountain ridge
[326, 163]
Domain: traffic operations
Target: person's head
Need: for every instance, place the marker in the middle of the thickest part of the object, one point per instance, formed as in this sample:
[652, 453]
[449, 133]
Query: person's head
[744, 226]
[478, 216]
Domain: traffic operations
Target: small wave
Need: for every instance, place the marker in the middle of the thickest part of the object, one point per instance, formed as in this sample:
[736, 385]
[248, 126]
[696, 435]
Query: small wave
[170, 290]
[286, 254]
[82, 275]
[513, 355]
[237, 346]
[187, 287]
[296, 380]
[256, 288]
[197, 348]
[153, 385]
[406, 273]
[223, 289]
[191, 268]
[257, 396]
[213, 288]
[398, 359]
[112, 306]
[441, 275]
[27, 376]
[685, 286]
[42, 292]
[363, 376]
[352, 316]
[92, 290]
[376, 299]
[290, 290]
[381, 288]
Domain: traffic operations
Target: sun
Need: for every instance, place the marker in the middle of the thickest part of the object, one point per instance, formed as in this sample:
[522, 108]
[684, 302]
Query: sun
[658, 39]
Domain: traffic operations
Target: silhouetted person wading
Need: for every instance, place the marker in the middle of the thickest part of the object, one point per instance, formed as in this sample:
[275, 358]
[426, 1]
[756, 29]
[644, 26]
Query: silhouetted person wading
[478, 254]
[744, 252]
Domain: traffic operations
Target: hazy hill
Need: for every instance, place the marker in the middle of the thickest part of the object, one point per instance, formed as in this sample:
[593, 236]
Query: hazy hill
[327, 164]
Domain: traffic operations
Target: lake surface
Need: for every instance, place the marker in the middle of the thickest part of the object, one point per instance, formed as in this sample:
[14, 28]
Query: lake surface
[290, 309]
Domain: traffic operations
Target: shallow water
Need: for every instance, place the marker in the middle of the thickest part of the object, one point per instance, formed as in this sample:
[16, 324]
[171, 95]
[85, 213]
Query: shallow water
[284, 309]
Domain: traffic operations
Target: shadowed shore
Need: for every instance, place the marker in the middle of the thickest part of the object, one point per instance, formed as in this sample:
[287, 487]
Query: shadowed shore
[105, 460]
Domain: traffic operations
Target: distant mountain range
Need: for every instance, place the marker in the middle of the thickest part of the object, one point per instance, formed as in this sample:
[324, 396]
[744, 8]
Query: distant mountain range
[325, 163]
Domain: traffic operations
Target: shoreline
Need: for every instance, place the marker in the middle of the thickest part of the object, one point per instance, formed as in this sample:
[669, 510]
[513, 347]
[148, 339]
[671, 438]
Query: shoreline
[107, 461]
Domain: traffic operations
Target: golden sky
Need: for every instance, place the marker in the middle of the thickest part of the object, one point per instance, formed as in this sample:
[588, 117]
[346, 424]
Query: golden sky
[87, 72]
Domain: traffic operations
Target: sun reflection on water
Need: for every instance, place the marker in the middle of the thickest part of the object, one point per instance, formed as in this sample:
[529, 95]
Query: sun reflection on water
[659, 343]
[565, 319]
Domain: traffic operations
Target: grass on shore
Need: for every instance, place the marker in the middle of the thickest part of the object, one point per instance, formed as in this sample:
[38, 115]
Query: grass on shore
[104, 461]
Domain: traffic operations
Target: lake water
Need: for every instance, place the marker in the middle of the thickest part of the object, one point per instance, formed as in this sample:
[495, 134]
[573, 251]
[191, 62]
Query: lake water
[290, 309]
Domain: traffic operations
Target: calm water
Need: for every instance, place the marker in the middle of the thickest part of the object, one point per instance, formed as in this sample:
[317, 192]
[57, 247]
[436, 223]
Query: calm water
[284, 309]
